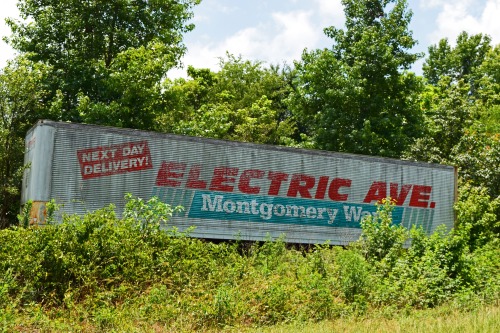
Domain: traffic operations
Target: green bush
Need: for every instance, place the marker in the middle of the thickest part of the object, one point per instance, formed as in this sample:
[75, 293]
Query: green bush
[478, 215]
[353, 274]
[100, 271]
[427, 274]
[381, 240]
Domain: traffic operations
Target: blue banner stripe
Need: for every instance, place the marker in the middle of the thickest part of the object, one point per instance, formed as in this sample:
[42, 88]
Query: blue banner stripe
[271, 209]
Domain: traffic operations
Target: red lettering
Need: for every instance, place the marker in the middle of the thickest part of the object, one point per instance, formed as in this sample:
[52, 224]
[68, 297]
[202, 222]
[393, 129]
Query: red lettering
[321, 189]
[301, 184]
[377, 192]
[400, 197]
[167, 171]
[333, 191]
[420, 196]
[221, 176]
[111, 160]
[276, 179]
[246, 176]
[194, 180]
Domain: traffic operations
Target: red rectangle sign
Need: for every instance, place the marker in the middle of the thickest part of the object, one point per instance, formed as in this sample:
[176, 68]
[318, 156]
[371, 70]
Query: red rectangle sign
[114, 159]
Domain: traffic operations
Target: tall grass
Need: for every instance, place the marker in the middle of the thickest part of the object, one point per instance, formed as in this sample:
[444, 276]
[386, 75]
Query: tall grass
[439, 320]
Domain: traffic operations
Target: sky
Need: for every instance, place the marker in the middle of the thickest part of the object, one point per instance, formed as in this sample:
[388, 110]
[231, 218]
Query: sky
[277, 31]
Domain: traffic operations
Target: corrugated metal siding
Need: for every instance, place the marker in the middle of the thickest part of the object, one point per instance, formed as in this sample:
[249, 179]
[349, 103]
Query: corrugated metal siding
[81, 193]
[38, 155]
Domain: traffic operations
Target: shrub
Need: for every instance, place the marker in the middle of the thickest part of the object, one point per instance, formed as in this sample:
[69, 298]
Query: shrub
[97, 265]
[381, 240]
[478, 215]
[353, 273]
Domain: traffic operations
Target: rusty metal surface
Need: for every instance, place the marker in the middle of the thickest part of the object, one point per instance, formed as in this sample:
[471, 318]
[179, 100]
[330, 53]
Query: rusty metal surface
[38, 213]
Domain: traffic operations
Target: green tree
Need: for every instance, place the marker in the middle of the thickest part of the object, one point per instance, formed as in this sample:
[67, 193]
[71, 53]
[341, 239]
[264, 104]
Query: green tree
[87, 43]
[461, 91]
[92, 61]
[448, 114]
[461, 107]
[133, 90]
[460, 103]
[478, 215]
[459, 62]
[183, 98]
[489, 91]
[358, 96]
[477, 156]
[243, 101]
[21, 103]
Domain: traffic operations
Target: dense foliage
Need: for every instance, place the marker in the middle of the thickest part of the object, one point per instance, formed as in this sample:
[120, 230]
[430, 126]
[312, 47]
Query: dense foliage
[358, 96]
[104, 57]
[98, 272]
[244, 101]
[21, 92]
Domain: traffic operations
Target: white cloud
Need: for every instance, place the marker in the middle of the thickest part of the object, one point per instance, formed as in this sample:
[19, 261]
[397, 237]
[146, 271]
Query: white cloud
[431, 3]
[211, 7]
[466, 15]
[248, 42]
[200, 55]
[296, 31]
[282, 39]
[490, 20]
[331, 12]
[9, 9]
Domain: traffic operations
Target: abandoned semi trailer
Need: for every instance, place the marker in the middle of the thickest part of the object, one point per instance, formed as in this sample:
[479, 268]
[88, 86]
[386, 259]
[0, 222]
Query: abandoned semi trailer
[230, 190]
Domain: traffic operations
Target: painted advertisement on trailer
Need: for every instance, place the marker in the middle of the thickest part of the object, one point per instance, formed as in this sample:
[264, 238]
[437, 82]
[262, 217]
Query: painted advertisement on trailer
[232, 190]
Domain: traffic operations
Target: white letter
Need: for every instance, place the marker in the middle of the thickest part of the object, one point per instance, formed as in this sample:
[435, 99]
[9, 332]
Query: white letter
[240, 205]
[254, 207]
[332, 213]
[281, 211]
[352, 213]
[211, 205]
[311, 212]
[295, 211]
[266, 214]
[140, 160]
[87, 170]
[86, 157]
[226, 206]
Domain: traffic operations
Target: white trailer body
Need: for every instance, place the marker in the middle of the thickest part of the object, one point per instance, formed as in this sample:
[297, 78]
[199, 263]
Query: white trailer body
[230, 190]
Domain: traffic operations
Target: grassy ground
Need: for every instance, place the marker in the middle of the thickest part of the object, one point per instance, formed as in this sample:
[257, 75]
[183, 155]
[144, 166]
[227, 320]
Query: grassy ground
[440, 320]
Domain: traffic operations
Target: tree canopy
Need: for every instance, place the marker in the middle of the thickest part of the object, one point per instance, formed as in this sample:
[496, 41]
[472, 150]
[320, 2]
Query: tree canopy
[21, 93]
[243, 101]
[358, 96]
[87, 42]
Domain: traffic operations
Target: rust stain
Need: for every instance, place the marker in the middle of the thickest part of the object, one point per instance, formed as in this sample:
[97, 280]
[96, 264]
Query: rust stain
[38, 213]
